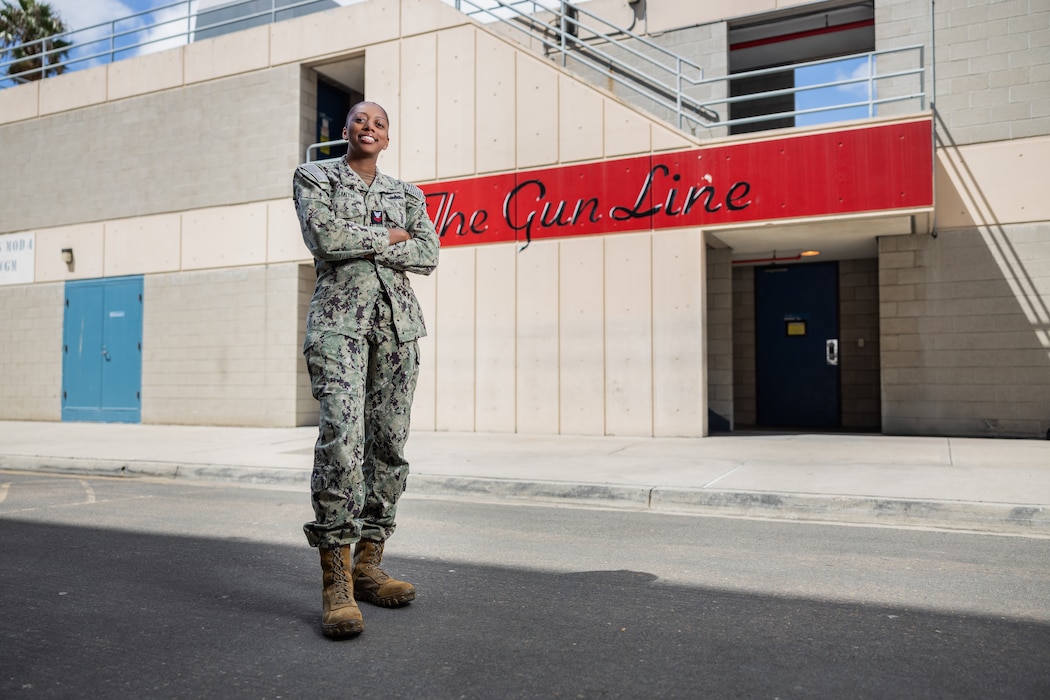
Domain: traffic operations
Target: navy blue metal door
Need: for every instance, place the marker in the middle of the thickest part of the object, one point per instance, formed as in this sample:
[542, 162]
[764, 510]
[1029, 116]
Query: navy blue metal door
[796, 345]
[102, 350]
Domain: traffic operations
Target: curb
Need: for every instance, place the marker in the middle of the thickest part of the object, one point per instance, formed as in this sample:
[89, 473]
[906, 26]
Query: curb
[115, 468]
[1001, 518]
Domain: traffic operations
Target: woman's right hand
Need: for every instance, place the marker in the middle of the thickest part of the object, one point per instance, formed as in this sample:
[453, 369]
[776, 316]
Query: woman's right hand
[398, 235]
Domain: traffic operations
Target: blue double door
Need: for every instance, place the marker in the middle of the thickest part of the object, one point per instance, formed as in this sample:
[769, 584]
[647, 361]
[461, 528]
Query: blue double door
[797, 346]
[102, 351]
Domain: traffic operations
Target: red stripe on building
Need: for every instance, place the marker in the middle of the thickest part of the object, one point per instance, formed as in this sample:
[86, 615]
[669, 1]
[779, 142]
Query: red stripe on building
[868, 169]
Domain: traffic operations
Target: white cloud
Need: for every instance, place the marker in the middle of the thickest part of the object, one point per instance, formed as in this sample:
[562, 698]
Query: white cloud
[173, 25]
[859, 72]
[94, 22]
[78, 14]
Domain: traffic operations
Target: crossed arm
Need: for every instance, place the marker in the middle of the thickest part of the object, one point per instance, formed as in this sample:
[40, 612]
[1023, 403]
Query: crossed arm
[334, 239]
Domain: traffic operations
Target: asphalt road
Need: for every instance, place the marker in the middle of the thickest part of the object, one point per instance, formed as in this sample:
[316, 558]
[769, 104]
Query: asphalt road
[114, 588]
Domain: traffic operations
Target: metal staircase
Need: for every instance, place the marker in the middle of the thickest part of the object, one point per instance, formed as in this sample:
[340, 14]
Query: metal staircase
[649, 75]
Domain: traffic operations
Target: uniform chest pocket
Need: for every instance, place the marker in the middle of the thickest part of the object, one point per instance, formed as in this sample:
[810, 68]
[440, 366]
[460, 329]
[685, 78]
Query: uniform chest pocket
[348, 205]
[394, 211]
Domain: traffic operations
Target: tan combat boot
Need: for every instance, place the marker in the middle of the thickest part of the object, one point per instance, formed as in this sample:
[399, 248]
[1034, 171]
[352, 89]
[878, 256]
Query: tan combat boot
[372, 583]
[341, 616]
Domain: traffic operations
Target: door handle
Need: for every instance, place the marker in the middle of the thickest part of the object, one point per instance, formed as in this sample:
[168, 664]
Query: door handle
[105, 353]
[831, 351]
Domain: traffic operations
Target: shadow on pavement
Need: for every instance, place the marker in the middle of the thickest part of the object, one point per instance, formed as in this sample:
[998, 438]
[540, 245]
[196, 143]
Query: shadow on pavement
[114, 614]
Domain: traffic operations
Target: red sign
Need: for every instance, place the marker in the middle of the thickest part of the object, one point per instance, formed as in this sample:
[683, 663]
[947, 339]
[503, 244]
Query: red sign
[866, 169]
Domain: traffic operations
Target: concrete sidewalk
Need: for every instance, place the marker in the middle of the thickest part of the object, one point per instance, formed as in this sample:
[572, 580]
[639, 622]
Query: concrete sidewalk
[988, 485]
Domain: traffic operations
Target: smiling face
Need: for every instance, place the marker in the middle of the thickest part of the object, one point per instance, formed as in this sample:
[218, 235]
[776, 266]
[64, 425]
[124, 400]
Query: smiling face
[366, 131]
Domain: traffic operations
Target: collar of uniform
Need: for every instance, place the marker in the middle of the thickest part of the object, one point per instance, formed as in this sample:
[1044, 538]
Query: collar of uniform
[349, 178]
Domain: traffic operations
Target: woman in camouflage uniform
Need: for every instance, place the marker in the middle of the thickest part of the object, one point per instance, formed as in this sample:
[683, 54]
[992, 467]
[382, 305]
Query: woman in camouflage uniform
[365, 231]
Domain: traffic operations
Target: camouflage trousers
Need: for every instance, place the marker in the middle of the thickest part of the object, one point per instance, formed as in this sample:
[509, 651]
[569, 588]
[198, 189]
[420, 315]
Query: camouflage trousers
[365, 387]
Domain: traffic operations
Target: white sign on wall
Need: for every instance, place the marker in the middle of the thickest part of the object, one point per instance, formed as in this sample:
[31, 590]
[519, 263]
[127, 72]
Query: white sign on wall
[17, 258]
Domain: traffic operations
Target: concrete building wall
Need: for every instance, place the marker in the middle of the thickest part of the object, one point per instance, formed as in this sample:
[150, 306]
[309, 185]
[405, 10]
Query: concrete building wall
[964, 322]
[859, 343]
[214, 143]
[705, 46]
[592, 336]
[719, 335]
[31, 348]
[992, 63]
[224, 347]
[965, 332]
[745, 391]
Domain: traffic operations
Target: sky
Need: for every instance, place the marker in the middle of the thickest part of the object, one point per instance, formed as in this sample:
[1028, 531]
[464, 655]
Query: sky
[78, 14]
[158, 29]
[846, 69]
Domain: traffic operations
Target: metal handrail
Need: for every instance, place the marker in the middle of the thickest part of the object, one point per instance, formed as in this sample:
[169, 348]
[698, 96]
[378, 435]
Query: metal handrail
[314, 147]
[562, 36]
[871, 80]
[871, 103]
[111, 33]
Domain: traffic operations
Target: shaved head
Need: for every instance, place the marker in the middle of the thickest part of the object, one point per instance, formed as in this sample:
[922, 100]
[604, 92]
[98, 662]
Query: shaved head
[359, 105]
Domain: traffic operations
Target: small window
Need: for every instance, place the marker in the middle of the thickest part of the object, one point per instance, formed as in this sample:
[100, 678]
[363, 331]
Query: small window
[760, 46]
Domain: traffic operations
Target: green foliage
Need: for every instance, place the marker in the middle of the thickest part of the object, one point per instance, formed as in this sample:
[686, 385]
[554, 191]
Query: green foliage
[29, 46]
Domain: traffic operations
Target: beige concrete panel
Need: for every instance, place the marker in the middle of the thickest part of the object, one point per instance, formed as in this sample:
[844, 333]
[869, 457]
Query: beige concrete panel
[679, 344]
[582, 336]
[333, 31]
[383, 86]
[88, 252]
[228, 54]
[422, 16]
[284, 239]
[971, 188]
[20, 102]
[671, 14]
[664, 139]
[954, 202]
[223, 347]
[424, 404]
[150, 73]
[496, 123]
[455, 343]
[537, 304]
[31, 348]
[72, 90]
[224, 236]
[580, 134]
[307, 410]
[628, 335]
[159, 153]
[455, 102]
[626, 132]
[618, 12]
[495, 360]
[418, 128]
[536, 101]
[142, 245]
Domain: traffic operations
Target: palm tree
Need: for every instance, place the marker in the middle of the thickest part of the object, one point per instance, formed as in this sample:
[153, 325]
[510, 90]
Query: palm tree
[28, 50]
